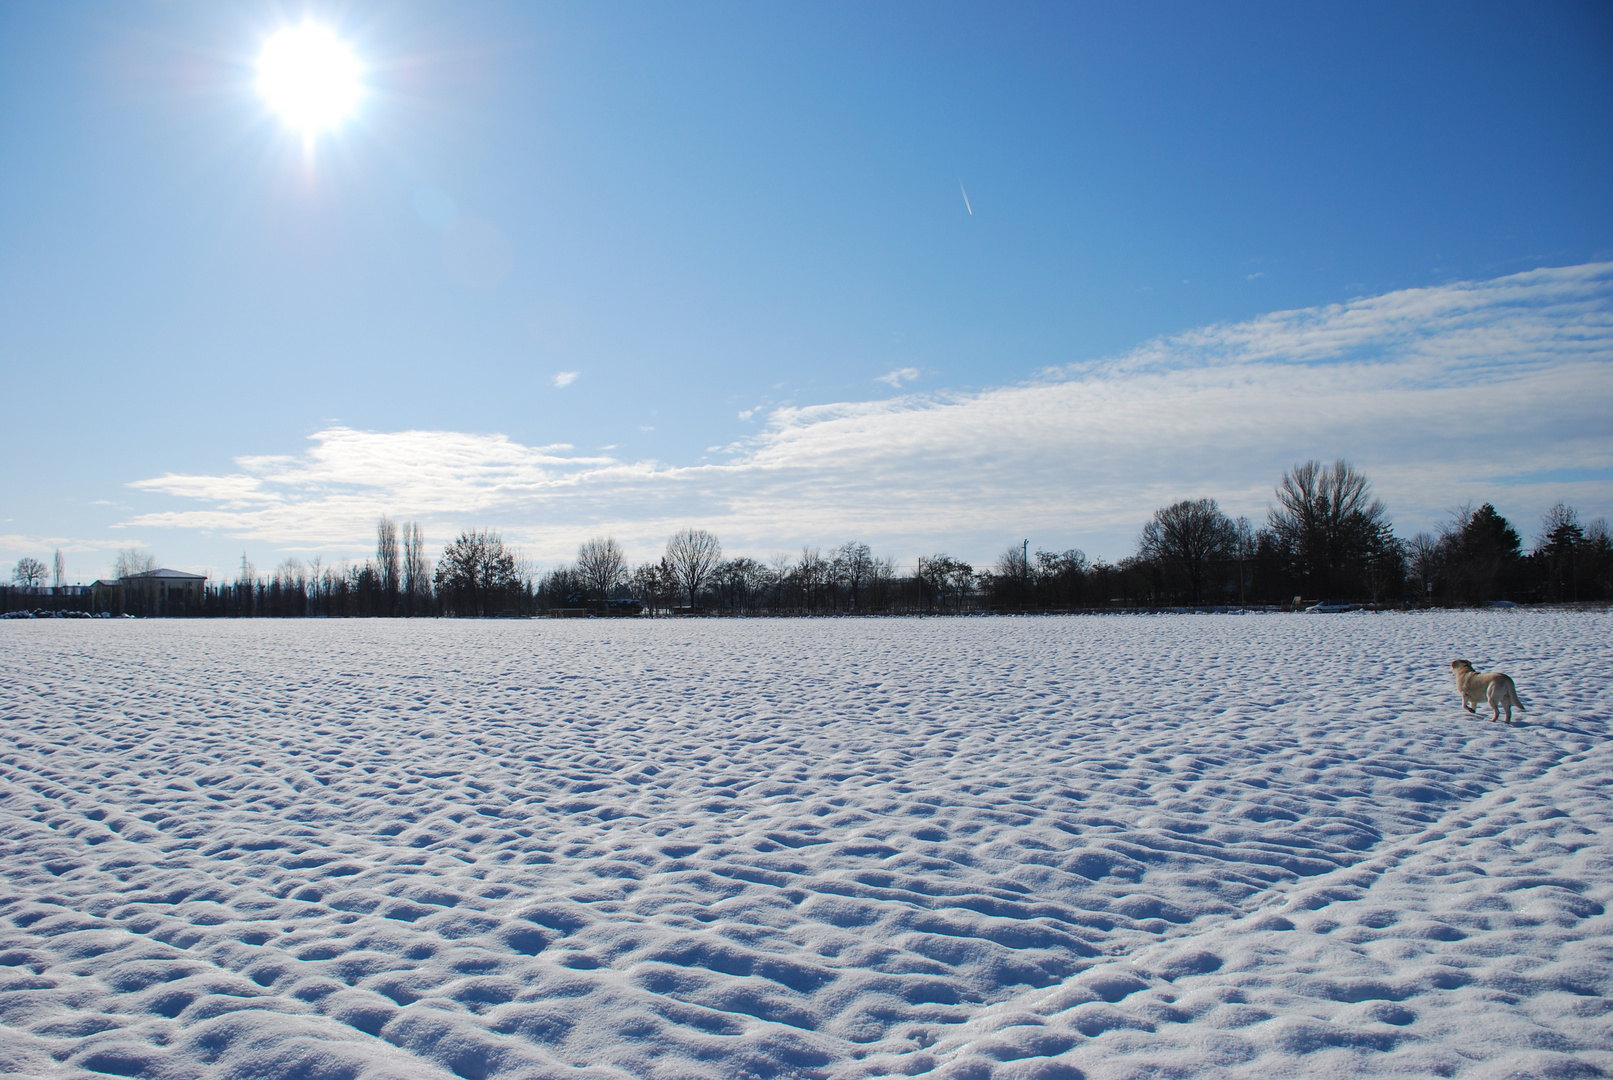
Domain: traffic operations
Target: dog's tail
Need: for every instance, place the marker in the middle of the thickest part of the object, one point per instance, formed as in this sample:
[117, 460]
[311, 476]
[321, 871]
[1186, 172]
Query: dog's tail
[1509, 689]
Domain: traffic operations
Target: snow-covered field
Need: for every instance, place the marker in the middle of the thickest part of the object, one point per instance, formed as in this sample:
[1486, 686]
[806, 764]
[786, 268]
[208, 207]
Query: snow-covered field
[1106, 846]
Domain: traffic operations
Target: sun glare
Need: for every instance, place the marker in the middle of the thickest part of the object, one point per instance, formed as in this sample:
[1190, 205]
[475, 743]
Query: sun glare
[309, 77]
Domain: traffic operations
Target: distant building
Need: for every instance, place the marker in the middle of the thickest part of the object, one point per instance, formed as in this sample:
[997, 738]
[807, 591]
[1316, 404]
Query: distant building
[163, 592]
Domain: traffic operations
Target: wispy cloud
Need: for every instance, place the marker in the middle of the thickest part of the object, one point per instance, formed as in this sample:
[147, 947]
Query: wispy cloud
[86, 559]
[565, 378]
[898, 377]
[330, 495]
[1481, 390]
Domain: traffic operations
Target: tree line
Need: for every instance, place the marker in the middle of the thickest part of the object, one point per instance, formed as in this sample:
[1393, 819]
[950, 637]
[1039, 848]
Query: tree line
[1325, 538]
[476, 575]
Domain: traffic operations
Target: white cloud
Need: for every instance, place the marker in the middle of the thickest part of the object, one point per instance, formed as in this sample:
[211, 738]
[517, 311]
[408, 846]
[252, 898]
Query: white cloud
[330, 495]
[1485, 390]
[565, 378]
[896, 378]
[86, 559]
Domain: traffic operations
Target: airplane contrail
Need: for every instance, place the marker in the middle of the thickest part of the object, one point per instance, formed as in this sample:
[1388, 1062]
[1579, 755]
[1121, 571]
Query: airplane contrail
[966, 205]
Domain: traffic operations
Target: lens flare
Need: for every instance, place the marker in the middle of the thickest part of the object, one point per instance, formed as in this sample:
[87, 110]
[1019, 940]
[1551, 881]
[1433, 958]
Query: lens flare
[309, 77]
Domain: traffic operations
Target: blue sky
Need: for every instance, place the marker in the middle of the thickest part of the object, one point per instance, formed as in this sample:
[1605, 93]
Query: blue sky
[579, 268]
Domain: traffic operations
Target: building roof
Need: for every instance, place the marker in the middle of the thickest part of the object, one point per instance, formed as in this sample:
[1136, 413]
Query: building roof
[167, 574]
[108, 582]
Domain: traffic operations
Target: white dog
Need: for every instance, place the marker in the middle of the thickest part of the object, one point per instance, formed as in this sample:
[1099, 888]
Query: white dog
[1494, 688]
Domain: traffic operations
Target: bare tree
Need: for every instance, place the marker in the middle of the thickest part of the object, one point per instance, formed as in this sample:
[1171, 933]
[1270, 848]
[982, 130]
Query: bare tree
[736, 583]
[387, 563]
[288, 588]
[528, 577]
[1009, 578]
[881, 580]
[1243, 540]
[477, 574]
[29, 573]
[778, 578]
[946, 577]
[812, 575]
[335, 574]
[693, 554]
[1061, 576]
[1325, 522]
[132, 561]
[1012, 563]
[1424, 556]
[416, 578]
[602, 565]
[1191, 535]
[58, 569]
[653, 584]
[853, 565]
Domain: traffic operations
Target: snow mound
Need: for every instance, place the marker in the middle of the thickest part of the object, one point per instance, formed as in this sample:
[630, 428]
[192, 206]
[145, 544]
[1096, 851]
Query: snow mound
[1010, 848]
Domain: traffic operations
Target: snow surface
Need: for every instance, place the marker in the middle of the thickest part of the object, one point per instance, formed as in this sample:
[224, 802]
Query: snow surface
[1248, 846]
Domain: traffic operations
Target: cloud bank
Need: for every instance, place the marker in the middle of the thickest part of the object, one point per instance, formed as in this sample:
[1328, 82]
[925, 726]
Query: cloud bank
[1499, 389]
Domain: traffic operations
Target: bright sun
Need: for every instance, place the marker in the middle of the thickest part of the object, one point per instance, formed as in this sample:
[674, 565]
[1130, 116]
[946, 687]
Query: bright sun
[309, 77]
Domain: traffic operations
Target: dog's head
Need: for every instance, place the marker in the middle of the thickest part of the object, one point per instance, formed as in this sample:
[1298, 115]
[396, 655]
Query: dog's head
[1461, 665]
